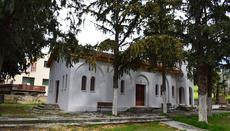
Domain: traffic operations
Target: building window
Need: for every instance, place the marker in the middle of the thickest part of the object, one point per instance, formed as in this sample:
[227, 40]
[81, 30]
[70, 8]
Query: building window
[122, 86]
[28, 80]
[156, 90]
[33, 67]
[45, 82]
[161, 90]
[83, 83]
[92, 83]
[63, 82]
[173, 91]
[66, 78]
[45, 63]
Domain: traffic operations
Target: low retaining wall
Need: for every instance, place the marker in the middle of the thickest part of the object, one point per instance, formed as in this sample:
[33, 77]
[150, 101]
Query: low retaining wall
[24, 99]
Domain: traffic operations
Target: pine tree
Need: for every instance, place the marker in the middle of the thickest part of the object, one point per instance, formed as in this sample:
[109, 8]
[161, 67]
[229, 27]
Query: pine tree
[166, 50]
[206, 31]
[121, 19]
[27, 26]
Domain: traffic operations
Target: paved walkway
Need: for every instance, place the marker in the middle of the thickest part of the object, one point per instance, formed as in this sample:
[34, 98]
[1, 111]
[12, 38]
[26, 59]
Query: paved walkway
[49, 121]
[92, 118]
[182, 126]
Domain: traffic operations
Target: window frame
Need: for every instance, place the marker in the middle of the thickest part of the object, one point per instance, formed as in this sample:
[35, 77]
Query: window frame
[31, 80]
[33, 67]
[47, 80]
[122, 87]
[66, 78]
[45, 63]
[92, 84]
[156, 90]
[83, 83]
[173, 91]
[161, 92]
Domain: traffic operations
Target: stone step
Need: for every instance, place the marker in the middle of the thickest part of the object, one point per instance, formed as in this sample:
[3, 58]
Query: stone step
[79, 120]
[40, 108]
[143, 110]
[96, 121]
[47, 107]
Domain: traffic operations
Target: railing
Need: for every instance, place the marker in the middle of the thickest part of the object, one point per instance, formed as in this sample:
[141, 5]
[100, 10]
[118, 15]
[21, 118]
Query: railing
[5, 87]
[22, 87]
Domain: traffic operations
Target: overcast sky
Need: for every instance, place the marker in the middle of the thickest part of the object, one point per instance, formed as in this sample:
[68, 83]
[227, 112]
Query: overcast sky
[89, 34]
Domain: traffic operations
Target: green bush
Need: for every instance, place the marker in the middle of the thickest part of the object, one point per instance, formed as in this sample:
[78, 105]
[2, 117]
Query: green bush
[228, 99]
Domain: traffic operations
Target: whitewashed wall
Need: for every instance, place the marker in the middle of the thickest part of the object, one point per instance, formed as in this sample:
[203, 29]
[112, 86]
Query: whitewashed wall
[74, 99]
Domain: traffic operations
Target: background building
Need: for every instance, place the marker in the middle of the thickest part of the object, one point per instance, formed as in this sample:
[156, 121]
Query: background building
[36, 75]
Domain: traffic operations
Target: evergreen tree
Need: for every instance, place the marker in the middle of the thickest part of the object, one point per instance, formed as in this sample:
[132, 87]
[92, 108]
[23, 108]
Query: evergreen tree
[27, 26]
[121, 19]
[208, 34]
[164, 49]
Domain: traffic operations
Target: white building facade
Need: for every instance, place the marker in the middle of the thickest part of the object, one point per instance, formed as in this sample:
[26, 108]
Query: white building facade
[37, 74]
[80, 88]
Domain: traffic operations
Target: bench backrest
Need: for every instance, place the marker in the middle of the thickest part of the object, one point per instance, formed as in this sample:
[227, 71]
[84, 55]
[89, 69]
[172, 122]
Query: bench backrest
[104, 104]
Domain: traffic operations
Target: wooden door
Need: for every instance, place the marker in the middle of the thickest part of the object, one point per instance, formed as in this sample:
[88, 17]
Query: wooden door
[57, 91]
[140, 95]
[181, 95]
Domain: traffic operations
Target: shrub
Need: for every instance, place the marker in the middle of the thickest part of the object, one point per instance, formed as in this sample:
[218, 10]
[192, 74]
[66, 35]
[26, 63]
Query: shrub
[228, 99]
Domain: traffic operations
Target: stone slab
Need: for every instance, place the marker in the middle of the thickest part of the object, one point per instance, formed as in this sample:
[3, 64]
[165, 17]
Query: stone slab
[182, 126]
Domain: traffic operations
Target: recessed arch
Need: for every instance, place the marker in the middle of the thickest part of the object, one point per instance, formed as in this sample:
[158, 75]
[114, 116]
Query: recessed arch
[142, 79]
[98, 68]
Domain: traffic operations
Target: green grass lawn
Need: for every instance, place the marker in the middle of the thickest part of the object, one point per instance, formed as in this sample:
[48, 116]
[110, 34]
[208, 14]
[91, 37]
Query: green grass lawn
[16, 110]
[218, 122]
[153, 126]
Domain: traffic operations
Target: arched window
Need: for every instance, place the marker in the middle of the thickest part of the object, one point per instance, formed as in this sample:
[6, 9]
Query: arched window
[92, 83]
[190, 96]
[156, 90]
[161, 90]
[173, 91]
[83, 83]
[122, 86]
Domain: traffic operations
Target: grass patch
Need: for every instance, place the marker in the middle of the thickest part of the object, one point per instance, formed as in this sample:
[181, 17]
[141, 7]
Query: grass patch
[141, 127]
[153, 126]
[217, 122]
[17, 110]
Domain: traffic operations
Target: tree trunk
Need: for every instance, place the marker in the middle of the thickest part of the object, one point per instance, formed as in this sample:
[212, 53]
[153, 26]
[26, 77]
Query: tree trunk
[210, 87]
[1, 62]
[202, 88]
[217, 95]
[115, 90]
[164, 102]
[209, 107]
[164, 90]
[203, 108]
[115, 93]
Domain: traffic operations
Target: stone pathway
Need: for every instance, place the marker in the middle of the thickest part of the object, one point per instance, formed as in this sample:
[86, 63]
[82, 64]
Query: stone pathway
[182, 126]
[14, 122]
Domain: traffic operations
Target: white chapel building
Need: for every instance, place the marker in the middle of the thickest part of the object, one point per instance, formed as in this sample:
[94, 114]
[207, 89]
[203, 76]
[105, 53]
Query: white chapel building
[80, 88]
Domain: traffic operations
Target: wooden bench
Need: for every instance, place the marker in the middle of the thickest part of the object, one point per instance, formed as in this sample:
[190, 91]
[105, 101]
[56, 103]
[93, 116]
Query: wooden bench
[104, 105]
[222, 101]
